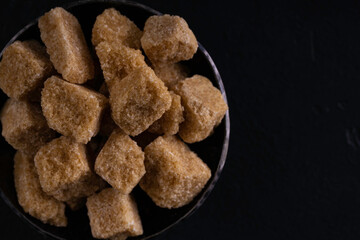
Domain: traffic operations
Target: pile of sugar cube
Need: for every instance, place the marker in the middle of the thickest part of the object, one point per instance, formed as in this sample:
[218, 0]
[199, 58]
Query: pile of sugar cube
[90, 124]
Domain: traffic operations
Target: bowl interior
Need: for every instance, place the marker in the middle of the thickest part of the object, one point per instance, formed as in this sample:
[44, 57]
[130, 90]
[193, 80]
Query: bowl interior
[155, 220]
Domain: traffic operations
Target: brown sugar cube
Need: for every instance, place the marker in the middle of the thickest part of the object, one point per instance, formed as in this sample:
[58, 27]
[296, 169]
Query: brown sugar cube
[120, 162]
[23, 69]
[66, 45]
[204, 108]
[113, 214]
[171, 74]
[24, 127]
[174, 174]
[30, 195]
[138, 100]
[72, 110]
[111, 26]
[169, 122]
[168, 39]
[64, 170]
[117, 60]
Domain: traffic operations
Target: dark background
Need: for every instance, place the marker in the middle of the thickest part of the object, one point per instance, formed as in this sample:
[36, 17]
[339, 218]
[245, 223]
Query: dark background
[291, 70]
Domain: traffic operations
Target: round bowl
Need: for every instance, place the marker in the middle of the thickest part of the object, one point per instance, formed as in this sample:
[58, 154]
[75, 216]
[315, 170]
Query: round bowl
[155, 220]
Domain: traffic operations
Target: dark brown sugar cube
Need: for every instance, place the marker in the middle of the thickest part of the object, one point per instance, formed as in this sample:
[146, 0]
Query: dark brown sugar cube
[24, 127]
[30, 195]
[113, 214]
[64, 170]
[72, 110]
[138, 100]
[66, 45]
[170, 74]
[112, 26]
[169, 122]
[23, 69]
[120, 162]
[174, 174]
[204, 108]
[168, 39]
[117, 60]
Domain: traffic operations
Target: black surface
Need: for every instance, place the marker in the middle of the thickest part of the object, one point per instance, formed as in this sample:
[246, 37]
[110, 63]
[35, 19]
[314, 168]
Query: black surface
[291, 71]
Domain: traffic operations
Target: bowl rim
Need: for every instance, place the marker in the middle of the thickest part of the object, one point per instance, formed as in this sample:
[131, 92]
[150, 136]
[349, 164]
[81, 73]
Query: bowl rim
[226, 119]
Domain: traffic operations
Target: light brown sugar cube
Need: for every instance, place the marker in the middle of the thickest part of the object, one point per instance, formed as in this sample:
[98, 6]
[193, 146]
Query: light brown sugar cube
[120, 162]
[72, 110]
[174, 174]
[24, 127]
[138, 100]
[169, 122]
[64, 170]
[112, 26]
[23, 69]
[117, 60]
[171, 74]
[66, 45]
[204, 108]
[168, 39]
[30, 195]
[113, 214]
